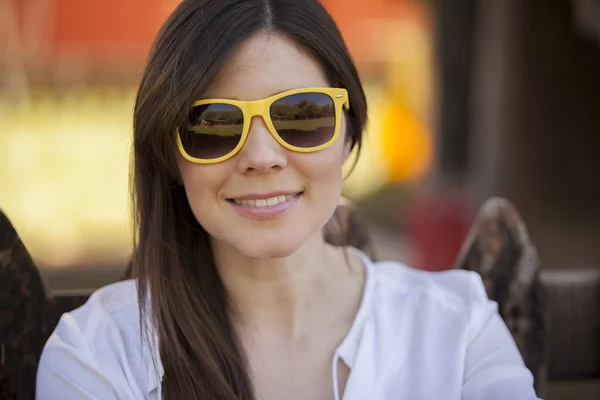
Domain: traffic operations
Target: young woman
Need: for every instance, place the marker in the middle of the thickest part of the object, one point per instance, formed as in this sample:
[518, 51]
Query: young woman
[245, 114]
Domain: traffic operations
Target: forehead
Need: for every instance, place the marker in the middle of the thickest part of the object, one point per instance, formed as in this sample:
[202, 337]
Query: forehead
[265, 64]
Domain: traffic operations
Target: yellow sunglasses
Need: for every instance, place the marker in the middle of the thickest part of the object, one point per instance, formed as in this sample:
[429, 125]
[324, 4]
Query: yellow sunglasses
[303, 120]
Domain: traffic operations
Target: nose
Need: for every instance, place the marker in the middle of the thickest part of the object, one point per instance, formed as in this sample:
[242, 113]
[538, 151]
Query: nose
[261, 152]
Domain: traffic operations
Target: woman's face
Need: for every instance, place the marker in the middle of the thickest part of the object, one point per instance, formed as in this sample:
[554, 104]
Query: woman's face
[264, 65]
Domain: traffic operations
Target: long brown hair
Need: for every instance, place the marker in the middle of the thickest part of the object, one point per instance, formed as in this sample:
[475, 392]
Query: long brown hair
[180, 292]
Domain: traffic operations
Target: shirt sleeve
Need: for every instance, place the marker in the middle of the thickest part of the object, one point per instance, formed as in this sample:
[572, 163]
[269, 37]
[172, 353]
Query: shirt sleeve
[494, 368]
[69, 368]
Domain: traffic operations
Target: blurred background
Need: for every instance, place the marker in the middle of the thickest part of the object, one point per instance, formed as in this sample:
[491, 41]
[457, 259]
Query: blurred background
[468, 100]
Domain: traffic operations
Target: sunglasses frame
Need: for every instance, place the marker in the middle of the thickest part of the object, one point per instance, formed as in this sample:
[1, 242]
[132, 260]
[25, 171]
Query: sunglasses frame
[262, 108]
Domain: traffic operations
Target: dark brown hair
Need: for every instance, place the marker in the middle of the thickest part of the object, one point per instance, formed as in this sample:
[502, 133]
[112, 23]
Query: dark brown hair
[179, 289]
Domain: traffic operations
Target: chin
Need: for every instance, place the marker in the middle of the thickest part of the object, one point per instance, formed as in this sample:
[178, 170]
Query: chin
[269, 250]
[267, 246]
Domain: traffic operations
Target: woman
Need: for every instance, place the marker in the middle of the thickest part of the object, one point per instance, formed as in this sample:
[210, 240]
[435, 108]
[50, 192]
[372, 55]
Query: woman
[245, 114]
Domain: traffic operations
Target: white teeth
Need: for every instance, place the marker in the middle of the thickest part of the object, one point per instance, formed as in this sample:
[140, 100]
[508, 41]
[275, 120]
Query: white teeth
[271, 201]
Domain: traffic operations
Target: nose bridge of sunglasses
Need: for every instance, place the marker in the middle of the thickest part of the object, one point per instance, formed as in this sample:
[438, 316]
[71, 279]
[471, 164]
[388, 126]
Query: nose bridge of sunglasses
[258, 107]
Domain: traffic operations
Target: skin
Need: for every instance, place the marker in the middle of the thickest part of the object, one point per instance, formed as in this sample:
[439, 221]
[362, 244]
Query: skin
[295, 296]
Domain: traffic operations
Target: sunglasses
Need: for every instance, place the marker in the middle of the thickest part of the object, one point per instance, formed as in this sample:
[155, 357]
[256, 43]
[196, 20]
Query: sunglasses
[302, 120]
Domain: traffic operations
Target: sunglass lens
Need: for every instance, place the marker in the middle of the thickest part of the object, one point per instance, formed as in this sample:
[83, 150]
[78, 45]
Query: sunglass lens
[213, 131]
[304, 120]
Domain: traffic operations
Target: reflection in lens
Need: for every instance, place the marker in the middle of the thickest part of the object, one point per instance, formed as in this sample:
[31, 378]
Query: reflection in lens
[213, 131]
[304, 120]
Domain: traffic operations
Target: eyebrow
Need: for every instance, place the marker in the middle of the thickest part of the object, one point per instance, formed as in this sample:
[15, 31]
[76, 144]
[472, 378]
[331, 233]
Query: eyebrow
[271, 94]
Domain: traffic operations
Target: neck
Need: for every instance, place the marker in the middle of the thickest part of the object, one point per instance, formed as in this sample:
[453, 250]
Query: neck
[281, 294]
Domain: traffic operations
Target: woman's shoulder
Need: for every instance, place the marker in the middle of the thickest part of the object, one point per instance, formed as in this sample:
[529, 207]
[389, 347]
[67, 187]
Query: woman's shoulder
[454, 284]
[110, 315]
[440, 322]
[98, 347]
[457, 297]
[114, 306]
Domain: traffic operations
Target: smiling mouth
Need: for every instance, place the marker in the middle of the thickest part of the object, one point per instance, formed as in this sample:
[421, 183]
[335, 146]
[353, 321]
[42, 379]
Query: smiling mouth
[265, 202]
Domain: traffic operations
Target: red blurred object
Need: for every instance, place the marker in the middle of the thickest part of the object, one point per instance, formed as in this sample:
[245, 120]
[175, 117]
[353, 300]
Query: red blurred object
[100, 31]
[92, 29]
[437, 225]
[363, 22]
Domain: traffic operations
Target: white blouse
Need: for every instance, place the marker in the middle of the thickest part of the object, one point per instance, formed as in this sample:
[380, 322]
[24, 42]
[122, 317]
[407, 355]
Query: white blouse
[417, 336]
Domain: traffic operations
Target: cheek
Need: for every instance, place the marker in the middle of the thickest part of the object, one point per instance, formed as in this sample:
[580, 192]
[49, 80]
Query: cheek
[202, 185]
[323, 169]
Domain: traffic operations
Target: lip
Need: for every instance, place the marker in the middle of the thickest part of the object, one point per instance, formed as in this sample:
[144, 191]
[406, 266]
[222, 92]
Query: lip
[266, 213]
[266, 195]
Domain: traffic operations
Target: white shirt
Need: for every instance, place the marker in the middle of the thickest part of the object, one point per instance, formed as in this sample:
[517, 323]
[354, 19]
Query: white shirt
[417, 336]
